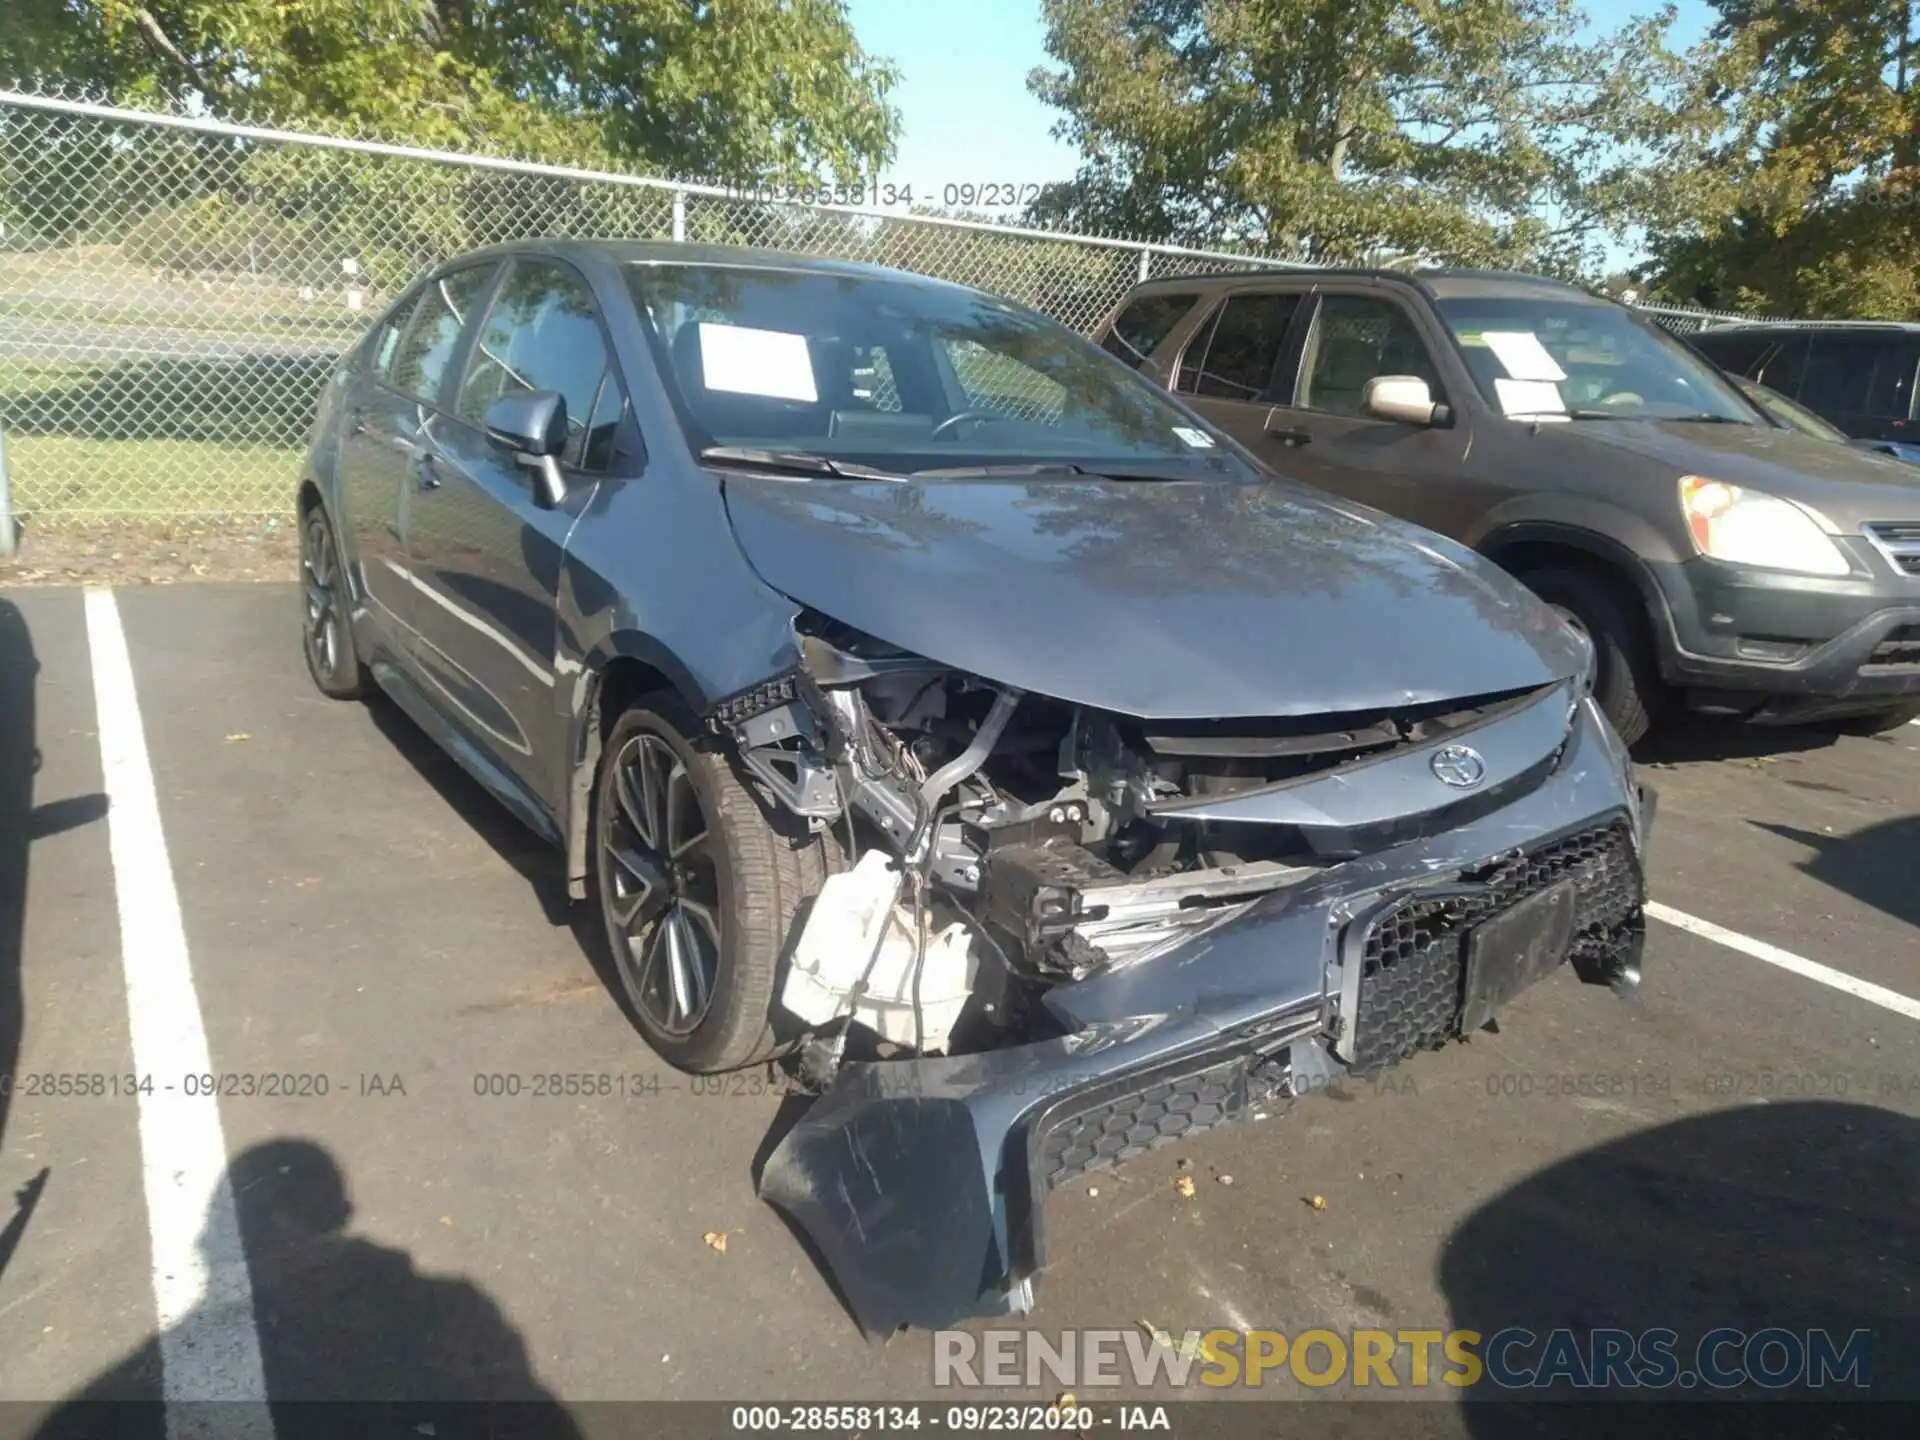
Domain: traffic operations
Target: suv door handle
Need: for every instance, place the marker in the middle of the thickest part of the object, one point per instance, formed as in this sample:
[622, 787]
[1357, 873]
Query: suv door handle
[1291, 435]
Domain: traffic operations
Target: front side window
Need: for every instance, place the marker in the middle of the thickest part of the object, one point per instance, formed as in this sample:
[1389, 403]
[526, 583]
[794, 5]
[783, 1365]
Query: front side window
[1544, 357]
[542, 334]
[1243, 349]
[420, 359]
[1357, 338]
[1139, 329]
[897, 374]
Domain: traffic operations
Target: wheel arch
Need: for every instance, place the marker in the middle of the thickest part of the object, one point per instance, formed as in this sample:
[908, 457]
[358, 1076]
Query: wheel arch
[1618, 547]
[626, 667]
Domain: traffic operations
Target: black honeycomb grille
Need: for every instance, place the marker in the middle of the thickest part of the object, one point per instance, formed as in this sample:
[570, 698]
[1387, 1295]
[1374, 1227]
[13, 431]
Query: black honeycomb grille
[1130, 1125]
[1413, 961]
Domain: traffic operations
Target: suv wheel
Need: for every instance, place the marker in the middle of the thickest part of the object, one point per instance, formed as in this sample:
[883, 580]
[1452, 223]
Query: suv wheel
[1626, 680]
[1877, 722]
[698, 886]
[327, 632]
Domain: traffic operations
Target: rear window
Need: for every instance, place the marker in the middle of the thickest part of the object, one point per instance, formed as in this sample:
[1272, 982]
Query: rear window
[1140, 328]
[1732, 349]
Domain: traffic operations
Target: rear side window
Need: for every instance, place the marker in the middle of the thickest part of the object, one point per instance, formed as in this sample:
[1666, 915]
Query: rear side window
[1862, 375]
[1732, 349]
[1145, 322]
[1243, 349]
[420, 359]
[543, 334]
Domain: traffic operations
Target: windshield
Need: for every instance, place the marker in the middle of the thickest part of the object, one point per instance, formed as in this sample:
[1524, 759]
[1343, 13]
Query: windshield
[1542, 357]
[901, 376]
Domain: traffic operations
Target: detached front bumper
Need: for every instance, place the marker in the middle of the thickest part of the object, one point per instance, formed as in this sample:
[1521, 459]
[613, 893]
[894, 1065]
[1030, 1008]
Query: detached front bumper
[922, 1182]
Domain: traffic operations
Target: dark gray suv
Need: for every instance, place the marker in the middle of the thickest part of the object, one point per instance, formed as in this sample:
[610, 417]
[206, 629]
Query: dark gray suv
[919, 694]
[1715, 558]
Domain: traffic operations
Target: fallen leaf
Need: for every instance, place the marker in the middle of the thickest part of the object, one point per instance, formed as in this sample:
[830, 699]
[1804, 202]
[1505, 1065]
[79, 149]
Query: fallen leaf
[1226, 1179]
[717, 1239]
[446, 1219]
[1065, 1402]
[1185, 1186]
[1187, 1347]
[238, 736]
[1093, 1191]
[1318, 1202]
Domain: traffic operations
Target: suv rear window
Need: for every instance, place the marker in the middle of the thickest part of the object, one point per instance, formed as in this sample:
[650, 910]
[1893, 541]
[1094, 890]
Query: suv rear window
[1139, 329]
[1733, 348]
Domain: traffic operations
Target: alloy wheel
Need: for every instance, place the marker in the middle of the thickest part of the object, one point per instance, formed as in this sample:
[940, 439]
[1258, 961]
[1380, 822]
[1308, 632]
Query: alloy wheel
[662, 889]
[320, 575]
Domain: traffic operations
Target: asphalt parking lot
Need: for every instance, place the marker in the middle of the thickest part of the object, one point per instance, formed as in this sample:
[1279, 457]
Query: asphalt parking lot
[1738, 1144]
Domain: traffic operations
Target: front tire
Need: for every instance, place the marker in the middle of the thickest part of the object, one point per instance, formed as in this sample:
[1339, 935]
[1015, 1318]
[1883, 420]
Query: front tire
[332, 658]
[1626, 678]
[698, 885]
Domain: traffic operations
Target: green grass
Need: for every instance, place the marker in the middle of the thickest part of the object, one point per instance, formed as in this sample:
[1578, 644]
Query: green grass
[155, 438]
[61, 476]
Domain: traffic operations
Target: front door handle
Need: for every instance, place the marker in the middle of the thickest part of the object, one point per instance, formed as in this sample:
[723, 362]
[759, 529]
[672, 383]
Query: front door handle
[426, 471]
[1290, 435]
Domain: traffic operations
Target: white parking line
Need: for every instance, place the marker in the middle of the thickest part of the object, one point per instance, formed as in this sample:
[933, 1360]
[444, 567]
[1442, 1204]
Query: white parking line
[1760, 950]
[209, 1348]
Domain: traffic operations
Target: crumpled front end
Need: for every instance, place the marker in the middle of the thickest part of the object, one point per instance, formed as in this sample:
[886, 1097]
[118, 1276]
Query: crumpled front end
[923, 1181]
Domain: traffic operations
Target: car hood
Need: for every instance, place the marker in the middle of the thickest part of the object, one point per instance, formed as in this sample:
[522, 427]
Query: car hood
[1162, 600]
[1845, 484]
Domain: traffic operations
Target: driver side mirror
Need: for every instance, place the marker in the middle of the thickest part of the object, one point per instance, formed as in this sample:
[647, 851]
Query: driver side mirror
[1404, 398]
[533, 426]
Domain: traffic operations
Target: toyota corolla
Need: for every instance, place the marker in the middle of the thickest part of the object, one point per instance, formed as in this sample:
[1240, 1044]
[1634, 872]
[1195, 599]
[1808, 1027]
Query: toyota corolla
[929, 703]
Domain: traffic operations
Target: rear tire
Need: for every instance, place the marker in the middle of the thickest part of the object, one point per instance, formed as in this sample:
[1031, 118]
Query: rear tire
[1627, 680]
[1876, 722]
[698, 885]
[332, 658]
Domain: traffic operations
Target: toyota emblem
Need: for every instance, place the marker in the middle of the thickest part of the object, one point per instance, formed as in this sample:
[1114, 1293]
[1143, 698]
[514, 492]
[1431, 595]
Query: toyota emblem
[1459, 766]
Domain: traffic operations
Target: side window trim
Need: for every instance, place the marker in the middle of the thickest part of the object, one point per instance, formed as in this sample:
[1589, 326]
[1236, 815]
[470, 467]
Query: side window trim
[1202, 337]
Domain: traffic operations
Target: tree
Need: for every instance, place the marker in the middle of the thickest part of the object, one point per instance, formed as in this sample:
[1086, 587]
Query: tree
[747, 89]
[1475, 131]
[1814, 206]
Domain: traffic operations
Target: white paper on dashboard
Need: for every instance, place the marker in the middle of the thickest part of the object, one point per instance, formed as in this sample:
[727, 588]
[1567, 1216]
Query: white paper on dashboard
[1535, 399]
[1523, 355]
[746, 361]
[1198, 439]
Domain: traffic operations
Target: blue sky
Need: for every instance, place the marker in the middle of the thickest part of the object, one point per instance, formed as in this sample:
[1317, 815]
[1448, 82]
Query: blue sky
[965, 112]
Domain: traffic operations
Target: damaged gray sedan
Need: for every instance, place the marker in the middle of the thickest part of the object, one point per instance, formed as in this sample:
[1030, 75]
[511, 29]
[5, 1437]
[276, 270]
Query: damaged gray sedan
[926, 701]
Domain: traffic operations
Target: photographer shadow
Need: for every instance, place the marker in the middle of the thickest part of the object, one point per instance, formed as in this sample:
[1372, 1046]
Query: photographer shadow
[353, 1339]
[1795, 1215]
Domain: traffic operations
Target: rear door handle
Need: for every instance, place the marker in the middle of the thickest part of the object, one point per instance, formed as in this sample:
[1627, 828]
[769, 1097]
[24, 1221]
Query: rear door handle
[1291, 435]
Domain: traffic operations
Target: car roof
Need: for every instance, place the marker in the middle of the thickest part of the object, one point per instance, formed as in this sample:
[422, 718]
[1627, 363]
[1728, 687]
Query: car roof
[1768, 327]
[645, 252]
[1436, 284]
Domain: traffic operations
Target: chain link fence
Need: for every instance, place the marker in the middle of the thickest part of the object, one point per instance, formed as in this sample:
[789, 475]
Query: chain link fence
[174, 290]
